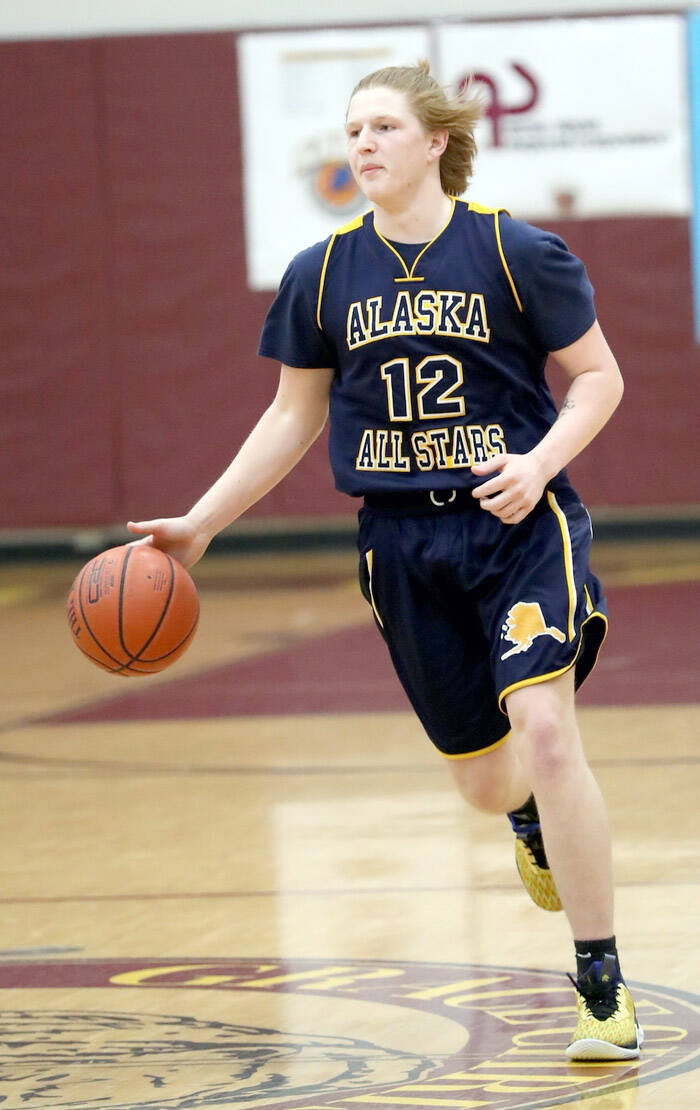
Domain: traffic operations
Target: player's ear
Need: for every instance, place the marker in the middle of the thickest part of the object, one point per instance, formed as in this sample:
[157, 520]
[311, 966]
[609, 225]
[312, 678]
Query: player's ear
[438, 143]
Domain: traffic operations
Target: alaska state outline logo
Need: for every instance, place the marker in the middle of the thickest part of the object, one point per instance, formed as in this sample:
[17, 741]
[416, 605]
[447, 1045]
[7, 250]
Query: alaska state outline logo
[169, 1034]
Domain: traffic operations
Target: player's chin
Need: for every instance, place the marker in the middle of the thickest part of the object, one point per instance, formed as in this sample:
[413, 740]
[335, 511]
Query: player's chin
[374, 188]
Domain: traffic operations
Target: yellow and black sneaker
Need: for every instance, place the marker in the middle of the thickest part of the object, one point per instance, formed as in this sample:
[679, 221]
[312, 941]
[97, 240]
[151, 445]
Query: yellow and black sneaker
[530, 858]
[607, 1027]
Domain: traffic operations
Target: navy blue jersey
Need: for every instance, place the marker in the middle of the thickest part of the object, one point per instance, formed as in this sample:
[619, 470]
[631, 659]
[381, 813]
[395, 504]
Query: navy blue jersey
[438, 366]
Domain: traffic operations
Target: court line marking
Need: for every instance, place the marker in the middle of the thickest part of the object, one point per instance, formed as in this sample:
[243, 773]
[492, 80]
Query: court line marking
[58, 763]
[321, 892]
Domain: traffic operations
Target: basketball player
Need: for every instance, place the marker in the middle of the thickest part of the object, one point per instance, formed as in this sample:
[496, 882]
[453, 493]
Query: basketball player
[426, 324]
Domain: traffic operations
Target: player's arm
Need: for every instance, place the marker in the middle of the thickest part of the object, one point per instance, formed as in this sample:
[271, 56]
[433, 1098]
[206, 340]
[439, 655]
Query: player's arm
[594, 394]
[280, 438]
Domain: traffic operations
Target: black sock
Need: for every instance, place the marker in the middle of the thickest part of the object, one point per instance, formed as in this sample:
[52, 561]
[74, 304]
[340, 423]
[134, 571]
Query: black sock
[527, 812]
[593, 951]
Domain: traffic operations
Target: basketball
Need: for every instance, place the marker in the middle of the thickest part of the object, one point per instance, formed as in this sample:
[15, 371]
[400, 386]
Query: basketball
[133, 610]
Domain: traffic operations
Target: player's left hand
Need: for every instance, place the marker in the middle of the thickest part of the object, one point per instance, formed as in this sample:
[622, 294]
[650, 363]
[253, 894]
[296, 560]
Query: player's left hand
[516, 487]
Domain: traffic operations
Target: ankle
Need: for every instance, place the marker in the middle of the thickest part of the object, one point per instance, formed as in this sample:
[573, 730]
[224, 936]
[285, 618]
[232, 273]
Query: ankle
[589, 952]
[526, 814]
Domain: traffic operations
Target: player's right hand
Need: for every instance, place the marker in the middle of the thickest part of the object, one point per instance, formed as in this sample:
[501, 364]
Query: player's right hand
[177, 536]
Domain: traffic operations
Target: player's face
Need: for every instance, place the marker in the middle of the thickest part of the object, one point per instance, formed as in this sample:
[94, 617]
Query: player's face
[389, 153]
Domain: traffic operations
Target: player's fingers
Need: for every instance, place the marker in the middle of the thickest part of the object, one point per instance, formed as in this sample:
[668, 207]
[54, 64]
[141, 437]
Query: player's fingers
[514, 517]
[143, 527]
[488, 489]
[499, 502]
[509, 512]
[489, 466]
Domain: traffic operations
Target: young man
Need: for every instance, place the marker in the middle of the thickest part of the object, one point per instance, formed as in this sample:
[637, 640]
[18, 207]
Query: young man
[426, 324]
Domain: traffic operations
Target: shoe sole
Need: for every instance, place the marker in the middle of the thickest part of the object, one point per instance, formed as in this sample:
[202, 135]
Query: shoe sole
[590, 1049]
[539, 884]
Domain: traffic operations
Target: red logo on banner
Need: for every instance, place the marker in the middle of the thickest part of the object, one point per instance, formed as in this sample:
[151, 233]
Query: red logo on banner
[496, 108]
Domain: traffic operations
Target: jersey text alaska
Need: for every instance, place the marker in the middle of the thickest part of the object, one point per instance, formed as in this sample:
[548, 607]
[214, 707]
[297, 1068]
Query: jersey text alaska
[427, 312]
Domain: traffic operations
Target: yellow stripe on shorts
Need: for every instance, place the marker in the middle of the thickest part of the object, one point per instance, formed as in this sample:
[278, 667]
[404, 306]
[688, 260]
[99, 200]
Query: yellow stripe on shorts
[568, 560]
[368, 557]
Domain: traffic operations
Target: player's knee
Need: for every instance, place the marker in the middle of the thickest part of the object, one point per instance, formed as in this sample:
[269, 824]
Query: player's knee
[480, 786]
[546, 747]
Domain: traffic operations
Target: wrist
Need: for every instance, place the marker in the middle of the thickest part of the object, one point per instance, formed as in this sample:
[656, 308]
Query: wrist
[201, 524]
[547, 464]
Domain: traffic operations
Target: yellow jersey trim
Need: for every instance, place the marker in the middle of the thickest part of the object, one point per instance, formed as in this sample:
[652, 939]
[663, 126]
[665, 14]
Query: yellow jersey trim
[514, 291]
[396, 255]
[483, 210]
[481, 751]
[409, 275]
[369, 559]
[595, 615]
[351, 225]
[568, 561]
[322, 280]
[495, 212]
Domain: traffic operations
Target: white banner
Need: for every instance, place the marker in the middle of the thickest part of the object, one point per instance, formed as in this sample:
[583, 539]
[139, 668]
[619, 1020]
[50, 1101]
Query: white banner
[585, 117]
[295, 89]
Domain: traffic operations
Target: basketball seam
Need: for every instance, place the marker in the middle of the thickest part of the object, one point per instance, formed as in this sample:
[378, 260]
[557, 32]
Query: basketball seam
[120, 623]
[134, 658]
[97, 662]
[128, 667]
[87, 625]
[178, 645]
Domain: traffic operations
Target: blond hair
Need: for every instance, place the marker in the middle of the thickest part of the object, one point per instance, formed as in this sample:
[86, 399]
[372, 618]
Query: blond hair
[436, 110]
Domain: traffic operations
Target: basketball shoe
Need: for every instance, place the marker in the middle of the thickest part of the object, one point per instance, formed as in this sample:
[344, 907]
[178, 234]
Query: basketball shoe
[607, 1027]
[530, 858]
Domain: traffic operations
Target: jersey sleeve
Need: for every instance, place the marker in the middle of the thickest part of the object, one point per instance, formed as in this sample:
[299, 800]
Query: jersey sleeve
[290, 332]
[551, 282]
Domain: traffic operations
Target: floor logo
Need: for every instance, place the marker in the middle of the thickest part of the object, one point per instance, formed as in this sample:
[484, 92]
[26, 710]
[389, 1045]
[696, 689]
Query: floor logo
[447, 1035]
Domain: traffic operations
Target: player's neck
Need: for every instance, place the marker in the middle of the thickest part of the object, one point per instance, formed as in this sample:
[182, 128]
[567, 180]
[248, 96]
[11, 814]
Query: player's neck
[418, 221]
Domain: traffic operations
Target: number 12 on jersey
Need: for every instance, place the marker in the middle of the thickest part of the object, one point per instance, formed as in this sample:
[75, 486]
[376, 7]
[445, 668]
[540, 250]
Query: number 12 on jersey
[437, 378]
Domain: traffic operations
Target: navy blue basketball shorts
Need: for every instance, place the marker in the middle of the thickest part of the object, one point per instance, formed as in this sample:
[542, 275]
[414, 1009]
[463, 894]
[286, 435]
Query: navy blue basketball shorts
[472, 609]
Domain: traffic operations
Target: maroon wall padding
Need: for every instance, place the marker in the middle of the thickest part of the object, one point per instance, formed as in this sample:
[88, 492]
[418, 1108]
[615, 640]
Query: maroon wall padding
[57, 401]
[129, 375]
[648, 454]
[187, 329]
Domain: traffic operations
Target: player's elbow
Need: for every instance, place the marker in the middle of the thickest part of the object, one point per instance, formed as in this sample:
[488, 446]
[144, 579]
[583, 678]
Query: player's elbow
[617, 385]
[317, 424]
[303, 422]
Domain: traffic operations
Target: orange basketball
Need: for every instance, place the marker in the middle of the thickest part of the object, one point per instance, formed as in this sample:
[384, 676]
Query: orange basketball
[133, 610]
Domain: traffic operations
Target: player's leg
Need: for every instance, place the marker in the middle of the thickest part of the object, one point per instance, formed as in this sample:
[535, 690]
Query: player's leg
[572, 812]
[543, 613]
[546, 619]
[493, 781]
[496, 782]
[576, 833]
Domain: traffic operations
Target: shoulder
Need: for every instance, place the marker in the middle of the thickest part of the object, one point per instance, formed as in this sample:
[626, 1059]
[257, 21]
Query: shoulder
[346, 234]
[517, 237]
[537, 259]
[308, 264]
[523, 241]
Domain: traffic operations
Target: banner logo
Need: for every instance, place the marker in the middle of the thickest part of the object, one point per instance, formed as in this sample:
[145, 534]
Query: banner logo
[495, 108]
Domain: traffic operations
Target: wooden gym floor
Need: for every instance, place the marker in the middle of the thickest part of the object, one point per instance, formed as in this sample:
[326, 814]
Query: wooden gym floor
[249, 882]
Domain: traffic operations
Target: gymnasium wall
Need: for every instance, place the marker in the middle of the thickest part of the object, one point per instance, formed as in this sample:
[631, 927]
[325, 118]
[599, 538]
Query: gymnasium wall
[128, 374]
